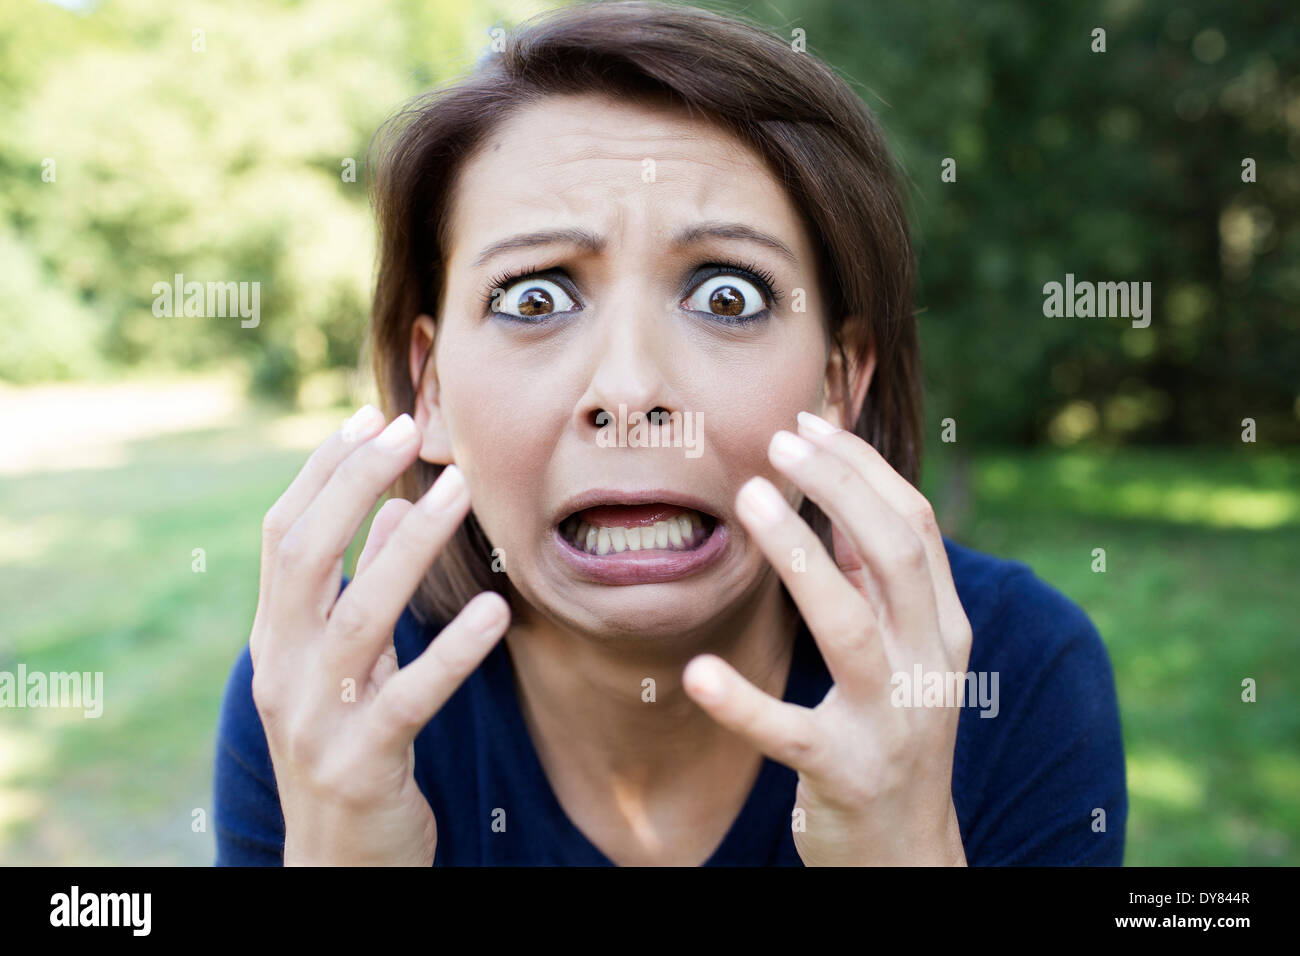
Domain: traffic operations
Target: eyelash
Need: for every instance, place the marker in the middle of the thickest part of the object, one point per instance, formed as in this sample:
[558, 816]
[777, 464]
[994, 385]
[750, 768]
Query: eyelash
[752, 272]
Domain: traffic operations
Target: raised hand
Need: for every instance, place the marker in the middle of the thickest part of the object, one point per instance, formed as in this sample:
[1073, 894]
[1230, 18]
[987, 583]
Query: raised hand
[875, 779]
[340, 717]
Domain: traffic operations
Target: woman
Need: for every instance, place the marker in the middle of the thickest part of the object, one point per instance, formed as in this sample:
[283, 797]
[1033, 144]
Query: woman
[643, 327]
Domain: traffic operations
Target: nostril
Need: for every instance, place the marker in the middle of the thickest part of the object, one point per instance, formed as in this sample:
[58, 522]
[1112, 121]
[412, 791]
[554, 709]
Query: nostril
[657, 415]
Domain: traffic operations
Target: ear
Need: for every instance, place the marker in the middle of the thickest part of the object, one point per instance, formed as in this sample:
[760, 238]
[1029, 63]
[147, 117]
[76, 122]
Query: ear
[436, 443]
[846, 387]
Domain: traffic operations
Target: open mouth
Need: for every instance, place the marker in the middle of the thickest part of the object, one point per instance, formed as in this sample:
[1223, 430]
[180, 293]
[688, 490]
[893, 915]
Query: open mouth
[619, 536]
[655, 527]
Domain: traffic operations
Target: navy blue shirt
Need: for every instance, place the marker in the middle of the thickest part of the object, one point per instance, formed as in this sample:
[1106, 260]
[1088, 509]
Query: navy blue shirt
[1027, 783]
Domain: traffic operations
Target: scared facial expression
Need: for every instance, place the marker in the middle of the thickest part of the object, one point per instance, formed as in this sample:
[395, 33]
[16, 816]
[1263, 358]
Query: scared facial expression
[629, 313]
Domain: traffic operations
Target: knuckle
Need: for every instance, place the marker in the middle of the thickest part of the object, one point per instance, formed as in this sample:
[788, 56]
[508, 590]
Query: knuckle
[358, 467]
[293, 551]
[453, 658]
[896, 749]
[348, 621]
[849, 627]
[302, 740]
[896, 772]
[402, 709]
[353, 791]
[923, 518]
[961, 643]
[268, 696]
[858, 790]
[843, 478]
[324, 455]
[327, 777]
[801, 748]
[912, 554]
[274, 526]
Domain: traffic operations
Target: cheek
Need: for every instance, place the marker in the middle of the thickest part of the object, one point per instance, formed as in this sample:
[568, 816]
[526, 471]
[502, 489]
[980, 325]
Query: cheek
[501, 439]
[746, 400]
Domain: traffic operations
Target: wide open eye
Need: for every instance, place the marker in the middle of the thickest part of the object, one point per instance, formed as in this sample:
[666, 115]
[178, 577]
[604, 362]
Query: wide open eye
[729, 297]
[531, 298]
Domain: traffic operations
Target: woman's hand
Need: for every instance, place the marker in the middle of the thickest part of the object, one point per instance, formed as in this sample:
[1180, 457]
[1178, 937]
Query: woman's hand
[340, 717]
[875, 780]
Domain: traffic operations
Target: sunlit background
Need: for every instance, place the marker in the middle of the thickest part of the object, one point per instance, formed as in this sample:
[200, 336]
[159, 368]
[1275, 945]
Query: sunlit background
[140, 139]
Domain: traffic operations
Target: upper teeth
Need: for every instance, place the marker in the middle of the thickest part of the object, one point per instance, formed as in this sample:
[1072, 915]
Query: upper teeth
[675, 534]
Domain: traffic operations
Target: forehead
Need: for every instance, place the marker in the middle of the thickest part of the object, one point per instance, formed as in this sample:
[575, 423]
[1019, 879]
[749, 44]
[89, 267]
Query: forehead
[610, 165]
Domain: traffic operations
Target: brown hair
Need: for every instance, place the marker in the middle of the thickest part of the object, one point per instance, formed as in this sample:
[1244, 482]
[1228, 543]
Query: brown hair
[819, 137]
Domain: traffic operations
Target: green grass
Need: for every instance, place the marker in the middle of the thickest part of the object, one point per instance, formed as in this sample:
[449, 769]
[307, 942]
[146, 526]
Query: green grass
[98, 576]
[1198, 594]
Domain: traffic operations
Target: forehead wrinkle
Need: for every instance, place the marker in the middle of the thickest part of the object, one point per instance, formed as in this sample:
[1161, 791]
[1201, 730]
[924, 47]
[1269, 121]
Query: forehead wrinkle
[575, 192]
[570, 193]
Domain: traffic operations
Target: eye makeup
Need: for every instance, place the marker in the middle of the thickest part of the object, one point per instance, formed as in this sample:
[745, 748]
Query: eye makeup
[760, 278]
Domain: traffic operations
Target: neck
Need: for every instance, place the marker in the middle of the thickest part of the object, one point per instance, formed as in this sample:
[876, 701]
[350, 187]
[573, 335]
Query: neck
[590, 711]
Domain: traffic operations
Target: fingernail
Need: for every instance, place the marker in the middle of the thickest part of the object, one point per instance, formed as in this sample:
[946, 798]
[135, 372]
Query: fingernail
[762, 500]
[399, 431]
[483, 614]
[706, 683]
[446, 489]
[818, 426]
[787, 448]
[362, 423]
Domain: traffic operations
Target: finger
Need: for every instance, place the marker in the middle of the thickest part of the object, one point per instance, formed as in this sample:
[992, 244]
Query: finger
[362, 620]
[363, 425]
[893, 551]
[415, 693]
[840, 618]
[781, 730]
[907, 501]
[386, 519]
[309, 561]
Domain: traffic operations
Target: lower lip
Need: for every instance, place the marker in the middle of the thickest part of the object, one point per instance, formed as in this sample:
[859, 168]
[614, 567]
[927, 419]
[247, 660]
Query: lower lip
[640, 567]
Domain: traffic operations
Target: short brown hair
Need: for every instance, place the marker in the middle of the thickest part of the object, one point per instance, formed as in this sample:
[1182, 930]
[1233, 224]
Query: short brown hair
[818, 136]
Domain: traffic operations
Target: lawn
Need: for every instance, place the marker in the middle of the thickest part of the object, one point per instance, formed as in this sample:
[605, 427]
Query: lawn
[1198, 593]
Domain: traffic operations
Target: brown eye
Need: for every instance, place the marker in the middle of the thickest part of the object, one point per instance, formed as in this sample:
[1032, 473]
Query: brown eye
[727, 296]
[726, 300]
[532, 298]
[536, 302]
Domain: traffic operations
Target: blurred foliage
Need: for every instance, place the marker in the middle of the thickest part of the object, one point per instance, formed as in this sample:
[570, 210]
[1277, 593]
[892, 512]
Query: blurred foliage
[220, 155]
[1117, 166]
[226, 164]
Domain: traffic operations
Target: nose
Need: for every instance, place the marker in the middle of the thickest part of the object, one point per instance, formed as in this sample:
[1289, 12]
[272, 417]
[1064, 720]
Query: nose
[628, 375]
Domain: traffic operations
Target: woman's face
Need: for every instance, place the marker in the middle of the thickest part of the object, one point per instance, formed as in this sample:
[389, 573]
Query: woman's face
[546, 348]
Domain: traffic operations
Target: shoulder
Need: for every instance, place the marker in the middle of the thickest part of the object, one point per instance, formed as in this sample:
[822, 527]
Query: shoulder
[1051, 661]
[1029, 784]
[1016, 617]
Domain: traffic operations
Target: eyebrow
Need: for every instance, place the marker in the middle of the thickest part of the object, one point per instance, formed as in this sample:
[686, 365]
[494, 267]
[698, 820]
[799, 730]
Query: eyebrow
[593, 243]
